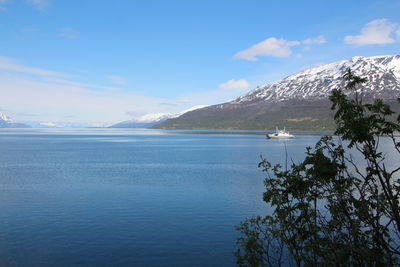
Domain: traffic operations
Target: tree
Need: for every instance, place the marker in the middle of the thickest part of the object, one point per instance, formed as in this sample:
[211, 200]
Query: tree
[329, 210]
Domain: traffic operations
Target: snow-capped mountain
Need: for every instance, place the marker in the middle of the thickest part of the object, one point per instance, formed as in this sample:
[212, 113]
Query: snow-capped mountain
[143, 121]
[151, 119]
[382, 72]
[7, 122]
[299, 100]
[154, 117]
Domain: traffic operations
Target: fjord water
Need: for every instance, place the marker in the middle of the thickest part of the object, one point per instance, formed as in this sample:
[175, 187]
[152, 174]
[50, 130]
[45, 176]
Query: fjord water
[129, 197]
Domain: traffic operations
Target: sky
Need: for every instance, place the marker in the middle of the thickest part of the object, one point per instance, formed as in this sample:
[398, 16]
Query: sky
[101, 62]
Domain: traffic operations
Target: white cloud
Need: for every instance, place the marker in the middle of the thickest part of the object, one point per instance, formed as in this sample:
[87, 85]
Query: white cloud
[398, 34]
[269, 47]
[117, 79]
[68, 33]
[40, 5]
[378, 31]
[235, 84]
[11, 65]
[315, 40]
[275, 47]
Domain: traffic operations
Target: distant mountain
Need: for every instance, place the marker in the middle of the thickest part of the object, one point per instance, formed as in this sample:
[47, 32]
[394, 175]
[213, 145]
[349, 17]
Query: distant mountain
[151, 119]
[299, 101]
[144, 121]
[7, 122]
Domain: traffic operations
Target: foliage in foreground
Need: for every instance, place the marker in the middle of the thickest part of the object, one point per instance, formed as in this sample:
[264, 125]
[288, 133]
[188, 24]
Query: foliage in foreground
[330, 210]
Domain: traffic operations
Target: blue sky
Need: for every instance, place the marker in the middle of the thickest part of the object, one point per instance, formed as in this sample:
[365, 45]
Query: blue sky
[100, 62]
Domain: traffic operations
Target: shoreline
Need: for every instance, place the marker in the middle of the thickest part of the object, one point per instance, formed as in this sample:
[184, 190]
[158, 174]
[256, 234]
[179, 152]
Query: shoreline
[244, 132]
[175, 131]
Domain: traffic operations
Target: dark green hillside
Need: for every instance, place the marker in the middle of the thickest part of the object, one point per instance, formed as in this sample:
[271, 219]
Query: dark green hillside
[301, 115]
[292, 115]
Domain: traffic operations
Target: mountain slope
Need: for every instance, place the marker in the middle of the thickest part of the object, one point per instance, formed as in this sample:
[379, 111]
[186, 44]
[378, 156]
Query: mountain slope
[298, 101]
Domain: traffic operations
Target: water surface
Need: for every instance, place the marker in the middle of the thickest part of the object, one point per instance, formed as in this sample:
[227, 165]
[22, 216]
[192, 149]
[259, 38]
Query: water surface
[129, 197]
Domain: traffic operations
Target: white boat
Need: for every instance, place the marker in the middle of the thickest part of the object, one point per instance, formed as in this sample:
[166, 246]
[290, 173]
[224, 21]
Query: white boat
[280, 134]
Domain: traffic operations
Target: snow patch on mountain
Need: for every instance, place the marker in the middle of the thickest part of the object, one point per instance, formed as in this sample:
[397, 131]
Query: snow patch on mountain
[151, 117]
[5, 118]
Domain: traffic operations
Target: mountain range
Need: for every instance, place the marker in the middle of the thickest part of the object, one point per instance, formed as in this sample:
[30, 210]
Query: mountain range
[299, 101]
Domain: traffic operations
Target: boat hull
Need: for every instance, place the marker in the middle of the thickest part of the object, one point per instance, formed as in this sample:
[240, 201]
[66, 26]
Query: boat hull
[279, 137]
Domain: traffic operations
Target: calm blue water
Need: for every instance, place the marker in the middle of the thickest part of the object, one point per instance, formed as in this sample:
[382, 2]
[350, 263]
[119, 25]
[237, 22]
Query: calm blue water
[129, 197]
